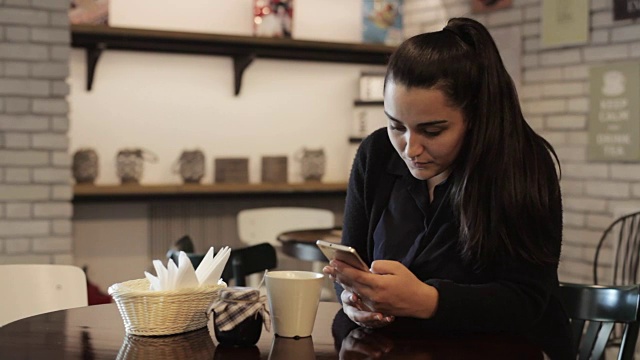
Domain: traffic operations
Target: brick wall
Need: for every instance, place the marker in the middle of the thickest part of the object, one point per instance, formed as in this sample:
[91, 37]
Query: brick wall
[555, 97]
[35, 177]
[35, 181]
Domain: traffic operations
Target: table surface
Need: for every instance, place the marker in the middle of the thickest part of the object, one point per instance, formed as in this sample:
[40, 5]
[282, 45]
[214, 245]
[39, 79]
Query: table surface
[301, 244]
[97, 332]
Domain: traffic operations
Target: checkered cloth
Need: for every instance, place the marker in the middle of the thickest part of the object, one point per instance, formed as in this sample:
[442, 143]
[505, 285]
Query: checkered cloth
[235, 305]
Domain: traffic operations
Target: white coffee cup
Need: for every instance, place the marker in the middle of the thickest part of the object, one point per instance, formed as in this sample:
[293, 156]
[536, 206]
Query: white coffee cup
[293, 300]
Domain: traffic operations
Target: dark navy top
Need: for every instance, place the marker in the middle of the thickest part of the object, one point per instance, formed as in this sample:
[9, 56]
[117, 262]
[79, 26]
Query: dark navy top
[388, 217]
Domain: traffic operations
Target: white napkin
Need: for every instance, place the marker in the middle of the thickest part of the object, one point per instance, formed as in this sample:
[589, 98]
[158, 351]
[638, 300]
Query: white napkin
[205, 266]
[212, 277]
[184, 276]
[161, 273]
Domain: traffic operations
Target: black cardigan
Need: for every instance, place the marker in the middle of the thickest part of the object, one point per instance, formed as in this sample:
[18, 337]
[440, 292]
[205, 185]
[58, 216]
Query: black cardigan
[516, 297]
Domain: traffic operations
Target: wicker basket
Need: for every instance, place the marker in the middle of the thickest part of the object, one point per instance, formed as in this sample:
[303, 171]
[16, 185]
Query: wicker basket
[150, 313]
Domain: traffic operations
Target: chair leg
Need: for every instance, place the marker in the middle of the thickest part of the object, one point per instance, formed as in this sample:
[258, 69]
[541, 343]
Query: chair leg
[629, 340]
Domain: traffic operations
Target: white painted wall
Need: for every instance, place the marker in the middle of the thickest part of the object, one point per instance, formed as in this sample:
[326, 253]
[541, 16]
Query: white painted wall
[112, 240]
[329, 20]
[167, 103]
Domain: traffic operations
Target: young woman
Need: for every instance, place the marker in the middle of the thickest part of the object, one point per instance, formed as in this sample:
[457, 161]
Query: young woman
[456, 204]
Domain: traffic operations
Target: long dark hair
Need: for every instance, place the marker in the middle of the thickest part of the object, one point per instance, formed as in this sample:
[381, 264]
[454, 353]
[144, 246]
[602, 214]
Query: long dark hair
[504, 181]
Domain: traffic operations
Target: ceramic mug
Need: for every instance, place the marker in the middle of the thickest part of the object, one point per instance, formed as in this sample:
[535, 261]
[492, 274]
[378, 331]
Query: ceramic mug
[293, 300]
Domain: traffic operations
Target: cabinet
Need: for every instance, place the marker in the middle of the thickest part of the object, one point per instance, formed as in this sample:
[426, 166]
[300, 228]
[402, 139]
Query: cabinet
[243, 49]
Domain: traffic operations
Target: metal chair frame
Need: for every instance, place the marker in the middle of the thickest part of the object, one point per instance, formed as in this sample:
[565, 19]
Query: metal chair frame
[626, 250]
[594, 310]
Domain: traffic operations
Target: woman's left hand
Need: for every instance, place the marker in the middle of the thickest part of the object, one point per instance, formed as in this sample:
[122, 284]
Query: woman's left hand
[390, 288]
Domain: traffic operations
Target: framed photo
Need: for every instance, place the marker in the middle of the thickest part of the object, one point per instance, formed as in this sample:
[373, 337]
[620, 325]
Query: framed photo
[382, 22]
[564, 22]
[274, 169]
[91, 12]
[480, 6]
[626, 9]
[273, 18]
[231, 170]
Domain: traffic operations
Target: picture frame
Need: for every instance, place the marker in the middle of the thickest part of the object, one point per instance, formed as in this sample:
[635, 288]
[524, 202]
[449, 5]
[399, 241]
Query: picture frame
[274, 169]
[273, 18]
[564, 22]
[382, 22]
[231, 170]
[89, 12]
[626, 9]
[482, 6]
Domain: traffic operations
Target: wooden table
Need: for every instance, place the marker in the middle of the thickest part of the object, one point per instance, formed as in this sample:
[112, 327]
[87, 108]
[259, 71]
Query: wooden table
[301, 244]
[97, 332]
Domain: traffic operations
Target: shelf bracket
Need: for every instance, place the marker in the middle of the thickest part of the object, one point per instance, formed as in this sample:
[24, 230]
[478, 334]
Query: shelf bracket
[93, 55]
[240, 64]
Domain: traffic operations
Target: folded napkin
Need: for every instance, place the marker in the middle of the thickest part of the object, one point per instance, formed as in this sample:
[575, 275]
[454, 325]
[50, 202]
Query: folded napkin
[183, 275]
[210, 269]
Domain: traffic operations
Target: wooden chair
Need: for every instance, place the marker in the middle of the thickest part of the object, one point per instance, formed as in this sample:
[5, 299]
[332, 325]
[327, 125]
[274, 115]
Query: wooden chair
[242, 262]
[34, 289]
[594, 310]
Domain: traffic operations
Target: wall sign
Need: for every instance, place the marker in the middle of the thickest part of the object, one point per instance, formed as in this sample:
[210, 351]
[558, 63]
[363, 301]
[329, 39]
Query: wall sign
[626, 9]
[564, 22]
[614, 120]
[478, 6]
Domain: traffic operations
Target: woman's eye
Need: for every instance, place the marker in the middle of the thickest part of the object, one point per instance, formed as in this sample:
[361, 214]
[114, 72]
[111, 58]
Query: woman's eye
[432, 133]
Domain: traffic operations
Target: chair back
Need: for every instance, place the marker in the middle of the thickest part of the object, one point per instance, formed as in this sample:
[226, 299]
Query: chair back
[265, 224]
[594, 310]
[242, 262]
[618, 252]
[249, 260]
[34, 289]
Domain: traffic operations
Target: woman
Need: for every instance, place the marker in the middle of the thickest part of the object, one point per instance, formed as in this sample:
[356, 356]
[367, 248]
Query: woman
[456, 204]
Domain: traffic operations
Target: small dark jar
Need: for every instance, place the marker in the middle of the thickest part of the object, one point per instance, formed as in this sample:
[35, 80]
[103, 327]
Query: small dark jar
[245, 326]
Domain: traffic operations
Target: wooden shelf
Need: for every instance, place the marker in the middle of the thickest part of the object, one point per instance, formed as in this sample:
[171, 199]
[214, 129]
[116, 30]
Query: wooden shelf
[243, 49]
[85, 193]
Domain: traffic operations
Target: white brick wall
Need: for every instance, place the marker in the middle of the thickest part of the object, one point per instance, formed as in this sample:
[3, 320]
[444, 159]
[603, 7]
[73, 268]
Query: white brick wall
[35, 176]
[598, 222]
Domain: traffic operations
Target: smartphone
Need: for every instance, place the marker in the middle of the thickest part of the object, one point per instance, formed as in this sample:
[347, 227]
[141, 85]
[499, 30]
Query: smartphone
[346, 254]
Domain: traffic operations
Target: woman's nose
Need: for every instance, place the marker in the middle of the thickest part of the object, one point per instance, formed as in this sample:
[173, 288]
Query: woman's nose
[412, 147]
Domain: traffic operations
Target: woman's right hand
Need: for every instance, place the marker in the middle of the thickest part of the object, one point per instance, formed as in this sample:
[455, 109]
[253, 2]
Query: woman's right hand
[353, 307]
